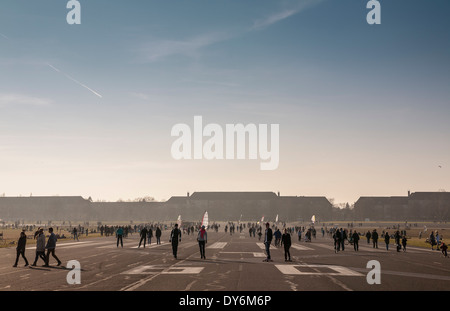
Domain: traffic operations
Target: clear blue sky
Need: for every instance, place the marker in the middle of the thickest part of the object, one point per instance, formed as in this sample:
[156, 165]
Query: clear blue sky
[363, 109]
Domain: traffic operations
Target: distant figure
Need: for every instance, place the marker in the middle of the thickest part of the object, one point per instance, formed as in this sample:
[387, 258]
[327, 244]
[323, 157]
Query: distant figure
[40, 247]
[143, 235]
[368, 236]
[397, 240]
[119, 235]
[202, 239]
[158, 235]
[277, 235]
[387, 239]
[75, 234]
[267, 240]
[355, 238]
[300, 235]
[175, 237]
[150, 236]
[21, 248]
[337, 240]
[51, 245]
[404, 240]
[375, 238]
[343, 238]
[259, 234]
[286, 241]
[438, 242]
[432, 240]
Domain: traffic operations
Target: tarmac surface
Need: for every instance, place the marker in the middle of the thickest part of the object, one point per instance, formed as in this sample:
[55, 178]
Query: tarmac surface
[233, 263]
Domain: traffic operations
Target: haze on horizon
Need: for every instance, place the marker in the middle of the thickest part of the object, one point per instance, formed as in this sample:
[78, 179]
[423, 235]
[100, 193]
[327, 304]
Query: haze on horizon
[88, 109]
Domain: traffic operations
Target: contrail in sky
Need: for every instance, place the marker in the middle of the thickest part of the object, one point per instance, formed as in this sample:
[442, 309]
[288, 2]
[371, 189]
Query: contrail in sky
[4, 36]
[77, 82]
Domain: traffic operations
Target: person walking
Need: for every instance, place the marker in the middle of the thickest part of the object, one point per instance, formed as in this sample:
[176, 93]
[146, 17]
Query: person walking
[202, 239]
[158, 235]
[75, 234]
[21, 248]
[355, 237]
[143, 235]
[119, 235]
[286, 242]
[387, 239]
[40, 247]
[175, 237]
[267, 241]
[343, 238]
[375, 238]
[51, 246]
[404, 241]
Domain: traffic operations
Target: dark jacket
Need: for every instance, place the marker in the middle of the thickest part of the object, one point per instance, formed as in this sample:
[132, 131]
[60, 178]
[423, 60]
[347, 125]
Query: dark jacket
[158, 232]
[144, 232]
[175, 235]
[355, 237]
[51, 242]
[286, 239]
[268, 236]
[21, 243]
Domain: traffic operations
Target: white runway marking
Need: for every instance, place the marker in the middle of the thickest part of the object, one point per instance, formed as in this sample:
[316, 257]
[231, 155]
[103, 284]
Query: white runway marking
[67, 245]
[218, 245]
[149, 245]
[143, 270]
[301, 247]
[337, 270]
[255, 254]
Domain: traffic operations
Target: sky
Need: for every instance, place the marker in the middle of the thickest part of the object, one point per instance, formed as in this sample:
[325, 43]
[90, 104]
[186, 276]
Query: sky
[88, 109]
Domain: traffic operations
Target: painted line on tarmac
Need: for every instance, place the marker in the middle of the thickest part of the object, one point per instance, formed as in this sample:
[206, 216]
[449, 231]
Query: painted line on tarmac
[301, 247]
[218, 245]
[337, 270]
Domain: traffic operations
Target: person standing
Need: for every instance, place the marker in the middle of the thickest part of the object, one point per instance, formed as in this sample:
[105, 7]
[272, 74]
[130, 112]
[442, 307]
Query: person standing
[432, 240]
[202, 239]
[51, 245]
[267, 240]
[21, 248]
[355, 238]
[387, 239]
[286, 241]
[40, 247]
[343, 238]
[158, 235]
[143, 235]
[368, 236]
[119, 235]
[375, 238]
[175, 237]
[75, 234]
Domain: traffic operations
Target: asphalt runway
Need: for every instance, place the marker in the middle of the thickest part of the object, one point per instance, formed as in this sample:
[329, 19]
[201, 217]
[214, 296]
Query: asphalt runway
[233, 263]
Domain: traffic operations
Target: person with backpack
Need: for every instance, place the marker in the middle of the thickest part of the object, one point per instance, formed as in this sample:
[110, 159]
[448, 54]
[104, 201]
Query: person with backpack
[202, 239]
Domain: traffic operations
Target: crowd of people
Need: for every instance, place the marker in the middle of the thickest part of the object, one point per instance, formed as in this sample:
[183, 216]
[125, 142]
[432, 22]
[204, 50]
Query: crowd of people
[271, 234]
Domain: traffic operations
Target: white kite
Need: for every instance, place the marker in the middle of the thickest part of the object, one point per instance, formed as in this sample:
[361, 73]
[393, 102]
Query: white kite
[313, 219]
[205, 220]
